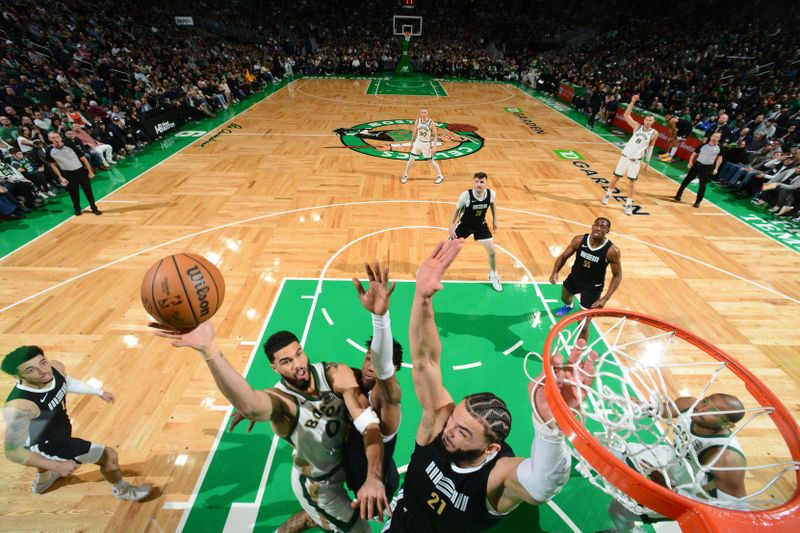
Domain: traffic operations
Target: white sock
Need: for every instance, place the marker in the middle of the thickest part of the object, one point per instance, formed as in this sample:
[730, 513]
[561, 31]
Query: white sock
[672, 151]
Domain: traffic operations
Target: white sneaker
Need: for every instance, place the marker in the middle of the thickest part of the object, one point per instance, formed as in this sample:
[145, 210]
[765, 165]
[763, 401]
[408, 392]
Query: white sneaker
[44, 481]
[113, 162]
[628, 209]
[495, 279]
[604, 199]
[438, 179]
[52, 194]
[132, 492]
[404, 179]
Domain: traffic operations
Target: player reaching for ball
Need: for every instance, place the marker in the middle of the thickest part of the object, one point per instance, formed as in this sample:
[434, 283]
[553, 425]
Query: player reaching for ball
[311, 407]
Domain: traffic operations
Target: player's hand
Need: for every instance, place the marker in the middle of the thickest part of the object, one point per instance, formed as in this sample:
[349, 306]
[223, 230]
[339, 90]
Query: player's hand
[63, 182]
[238, 417]
[430, 272]
[570, 376]
[554, 278]
[601, 302]
[200, 338]
[714, 172]
[91, 174]
[494, 225]
[371, 499]
[65, 468]
[107, 397]
[376, 298]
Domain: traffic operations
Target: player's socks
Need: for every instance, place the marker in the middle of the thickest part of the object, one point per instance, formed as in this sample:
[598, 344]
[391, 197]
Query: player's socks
[606, 198]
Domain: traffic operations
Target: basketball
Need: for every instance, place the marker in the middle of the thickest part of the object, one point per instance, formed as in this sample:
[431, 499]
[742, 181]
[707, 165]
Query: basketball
[182, 291]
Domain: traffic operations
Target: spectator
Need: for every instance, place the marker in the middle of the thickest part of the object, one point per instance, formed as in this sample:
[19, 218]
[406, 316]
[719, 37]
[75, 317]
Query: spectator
[103, 150]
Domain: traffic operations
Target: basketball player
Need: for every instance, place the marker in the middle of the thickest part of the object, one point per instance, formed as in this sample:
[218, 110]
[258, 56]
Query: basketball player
[593, 253]
[309, 408]
[679, 131]
[703, 436]
[378, 381]
[462, 476]
[469, 218]
[424, 141]
[38, 428]
[640, 145]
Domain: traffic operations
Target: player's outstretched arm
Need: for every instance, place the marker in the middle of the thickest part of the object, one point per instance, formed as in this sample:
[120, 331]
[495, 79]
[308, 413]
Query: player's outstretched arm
[615, 260]
[253, 404]
[627, 115]
[375, 299]
[561, 260]
[76, 386]
[537, 479]
[371, 497]
[425, 345]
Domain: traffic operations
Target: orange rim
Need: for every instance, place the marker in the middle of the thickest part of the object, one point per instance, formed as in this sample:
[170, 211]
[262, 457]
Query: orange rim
[691, 514]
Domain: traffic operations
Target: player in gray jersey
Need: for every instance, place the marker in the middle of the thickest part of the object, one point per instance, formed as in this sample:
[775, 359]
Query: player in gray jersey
[311, 407]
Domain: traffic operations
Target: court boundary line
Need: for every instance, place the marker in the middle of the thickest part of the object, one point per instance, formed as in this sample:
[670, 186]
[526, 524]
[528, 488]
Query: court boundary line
[724, 211]
[142, 173]
[221, 430]
[381, 202]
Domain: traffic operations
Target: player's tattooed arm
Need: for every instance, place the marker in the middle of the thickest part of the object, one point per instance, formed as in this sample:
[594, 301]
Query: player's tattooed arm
[18, 415]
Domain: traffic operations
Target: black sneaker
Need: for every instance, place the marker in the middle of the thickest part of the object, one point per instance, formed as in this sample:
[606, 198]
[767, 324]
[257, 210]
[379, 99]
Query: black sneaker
[97, 211]
[78, 212]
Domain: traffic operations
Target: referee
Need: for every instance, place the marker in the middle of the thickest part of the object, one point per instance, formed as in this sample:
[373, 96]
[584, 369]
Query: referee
[700, 166]
[73, 170]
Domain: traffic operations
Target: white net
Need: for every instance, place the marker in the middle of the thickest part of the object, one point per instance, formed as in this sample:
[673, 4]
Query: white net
[655, 404]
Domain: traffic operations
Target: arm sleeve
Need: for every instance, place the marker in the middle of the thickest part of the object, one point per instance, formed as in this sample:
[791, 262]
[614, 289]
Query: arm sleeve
[382, 346]
[547, 470]
[463, 200]
[77, 386]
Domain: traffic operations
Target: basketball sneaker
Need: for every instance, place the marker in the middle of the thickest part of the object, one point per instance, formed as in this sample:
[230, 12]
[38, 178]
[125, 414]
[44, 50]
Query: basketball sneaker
[604, 200]
[563, 311]
[44, 481]
[628, 209]
[495, 279]
[404, 179]
[132, 492]
[438, 179]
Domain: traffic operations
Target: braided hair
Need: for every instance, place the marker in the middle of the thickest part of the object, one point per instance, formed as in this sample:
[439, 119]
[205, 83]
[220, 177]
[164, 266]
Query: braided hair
[492, 412]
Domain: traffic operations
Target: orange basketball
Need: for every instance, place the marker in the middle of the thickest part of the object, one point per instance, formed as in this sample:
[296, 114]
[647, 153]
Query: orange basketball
[182, 290]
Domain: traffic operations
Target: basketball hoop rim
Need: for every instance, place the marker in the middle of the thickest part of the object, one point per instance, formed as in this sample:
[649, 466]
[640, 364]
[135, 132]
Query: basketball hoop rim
[692, 515]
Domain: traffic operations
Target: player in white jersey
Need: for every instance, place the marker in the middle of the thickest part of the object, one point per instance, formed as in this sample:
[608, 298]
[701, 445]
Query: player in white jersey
[702, 437]
[424, 141]
[309, 407]
[638, 147]
[376, 378]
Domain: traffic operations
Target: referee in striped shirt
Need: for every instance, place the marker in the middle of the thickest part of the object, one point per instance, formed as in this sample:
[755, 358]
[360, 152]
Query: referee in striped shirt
[703, 164]
[73, 171]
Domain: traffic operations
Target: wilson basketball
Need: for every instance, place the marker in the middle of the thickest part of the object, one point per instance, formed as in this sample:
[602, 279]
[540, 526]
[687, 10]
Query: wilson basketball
[182, 290]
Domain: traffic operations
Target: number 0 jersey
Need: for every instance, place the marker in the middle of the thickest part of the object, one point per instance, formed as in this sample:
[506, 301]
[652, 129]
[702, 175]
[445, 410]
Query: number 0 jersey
[319, 431]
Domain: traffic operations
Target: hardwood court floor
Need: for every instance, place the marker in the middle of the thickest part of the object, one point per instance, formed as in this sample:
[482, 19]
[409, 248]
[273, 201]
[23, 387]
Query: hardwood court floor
[272, 200]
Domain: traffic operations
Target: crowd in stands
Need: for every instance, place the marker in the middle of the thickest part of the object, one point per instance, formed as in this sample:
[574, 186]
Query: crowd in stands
[92, 70]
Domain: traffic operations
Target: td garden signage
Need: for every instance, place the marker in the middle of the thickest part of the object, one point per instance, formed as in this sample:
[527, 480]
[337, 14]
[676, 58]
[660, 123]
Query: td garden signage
[391, 139]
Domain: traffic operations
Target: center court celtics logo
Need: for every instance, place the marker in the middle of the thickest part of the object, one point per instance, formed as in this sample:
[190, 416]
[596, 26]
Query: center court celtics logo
[391, 139]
